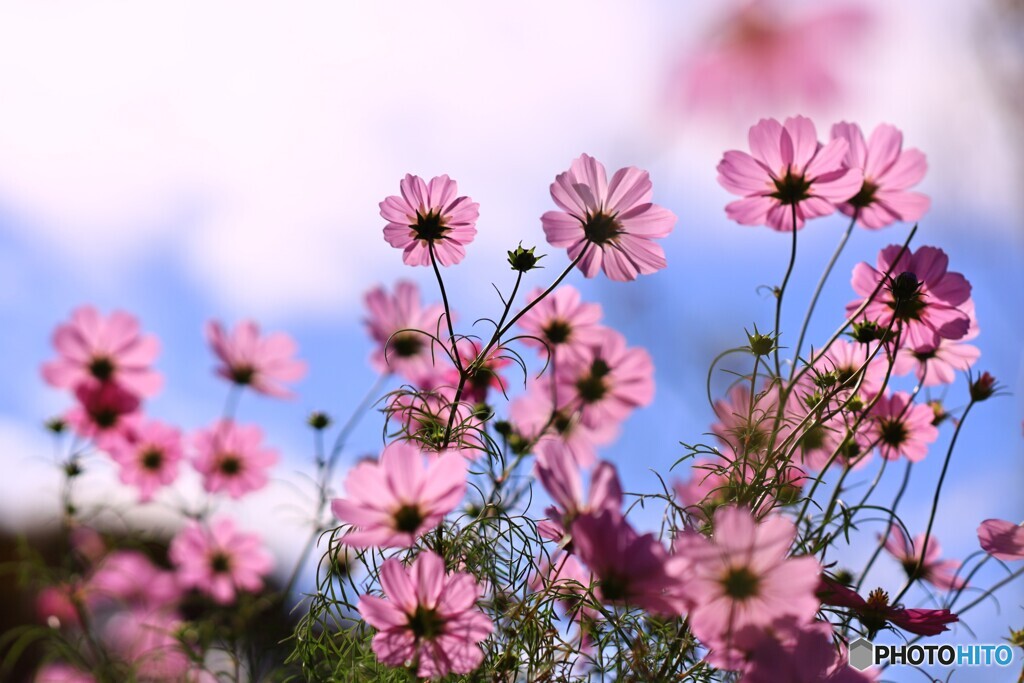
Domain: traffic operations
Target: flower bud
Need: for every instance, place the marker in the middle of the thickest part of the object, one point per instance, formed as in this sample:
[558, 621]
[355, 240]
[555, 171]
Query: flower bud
[318, 420]
[523, 260]
[983, 387]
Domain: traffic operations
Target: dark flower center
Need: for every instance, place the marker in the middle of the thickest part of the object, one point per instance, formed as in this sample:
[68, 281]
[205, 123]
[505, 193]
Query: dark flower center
[430, 227]
[562, 422]
[913, 568]
[408, 518]
[557, 331]
[592, 386]
[102, 368]
[152, 458]
[600, 228]
[406, 345]
[893, 432]
[740, 583]
[220, 563]
[230, 464]
[924, 354]
[243, 374]
[813, 438]
[908, 300]
[866, 196]
[426, 623]
[791, 188]
[614, 587]
[105, 417]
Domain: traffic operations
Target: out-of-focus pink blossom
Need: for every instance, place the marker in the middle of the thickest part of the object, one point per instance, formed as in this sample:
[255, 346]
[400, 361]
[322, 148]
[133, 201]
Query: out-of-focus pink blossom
[607, 383]
[1001, 539]
[231, 458]
[395, 500]
[798, 653]
[787, 171]
[938, 364]
[149, 459]
[428, 619]
[559, 474]
[876, 612]
[562, 323]
[919, 293]
[429, 217]
[940, 573]
[130, 577]
[744, 578]
[901, 427]
[96, 349]
[105, 412]
[148, 640]
[889, 171]
[263, 363]
[485, 377]
[219, 560]
[403, 329]
[58, 672]
[614, 221]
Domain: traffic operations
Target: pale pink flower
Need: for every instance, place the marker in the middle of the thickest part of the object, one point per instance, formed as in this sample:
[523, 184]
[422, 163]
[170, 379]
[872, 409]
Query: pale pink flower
[429, 620]
[940, 573]
[148, 640]
[744, 578]
[615, 221]
[95, 349]
[562, 322]
[403, 329]
[59, 672]
[787, 168]
[932, 301]
[129, 576]
[889, 170]
[608, 382]
[766, 55]
[629, 568]
[901, 427]
[559, 474]
[429, 216]
[852, 367]
[148, 460]
[105, 412]
[798, 653]
[263, 363]
[745, 425]
[231, 458]
[219, 560]
[937, 365]
[393, 501]
[1001, 539]
[565, 576]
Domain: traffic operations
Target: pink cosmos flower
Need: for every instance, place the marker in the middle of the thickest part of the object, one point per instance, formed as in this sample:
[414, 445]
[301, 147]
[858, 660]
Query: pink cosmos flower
[148, 460]
[630, 569]
[940, 573]
[608, 382]
[937, 365]
[148, 640]
[531, 415]
[219, 560]
[743, 577]
[559, 474]
[1001, 539]
[96, 349]
[128, 576]
[58, 672]
[231, 458]
[428, 620]
[58, 602]
[851, 366]
[901, 427]
[876, 612]
[566, 577]
[744, 426]
[889, 170]
[487, 376]
[429, 217]
[788, 169]
[425, 416]
[393, 501]
[562, 322]
[798, 653]
[264, 363]
[400, 326]
[105, 412]
[614, 221]
[919, 292]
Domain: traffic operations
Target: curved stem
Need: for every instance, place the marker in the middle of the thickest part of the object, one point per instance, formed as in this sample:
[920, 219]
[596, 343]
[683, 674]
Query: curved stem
[447, 308]
[781, 292]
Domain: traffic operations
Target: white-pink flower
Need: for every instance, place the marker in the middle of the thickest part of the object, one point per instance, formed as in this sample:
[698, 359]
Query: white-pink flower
[429, 217]
[428, 620]
[263, 363]
[219, 560]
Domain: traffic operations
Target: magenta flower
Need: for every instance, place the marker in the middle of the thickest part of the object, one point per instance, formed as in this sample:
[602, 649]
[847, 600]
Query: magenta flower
[901, 429]
[744, 426]
[148, 460]
[562, 322]
[402, 328]
[559, 474]
[429, 620]
[95, 349]
[247, 359]
[487, 375]
[920, 294]
[429, 217]
[875, 612]
[59, 672]
[149, 641]
[938, 365]
[889, 170]
[105, 412]
[788, 169]
[219, 560]
[1001, 539]
[615, 221]
[130, 577]
[530, 414]
[803, 653]
[231, 458]
[940, 573]
[744, 578]
[393, 501]
[608, 382]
